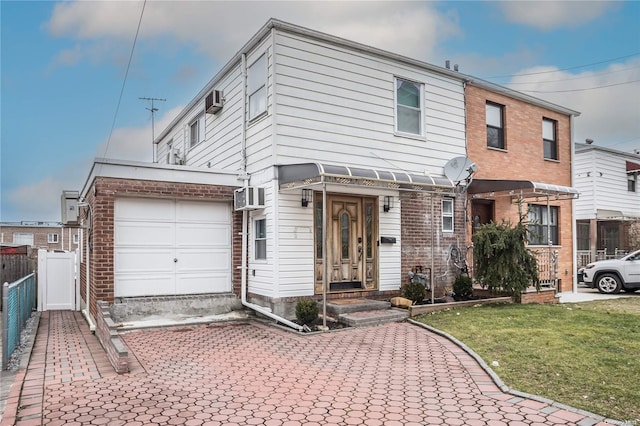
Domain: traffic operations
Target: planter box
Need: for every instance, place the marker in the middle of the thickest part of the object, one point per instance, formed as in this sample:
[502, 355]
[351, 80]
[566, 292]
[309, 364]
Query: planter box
[425, 309]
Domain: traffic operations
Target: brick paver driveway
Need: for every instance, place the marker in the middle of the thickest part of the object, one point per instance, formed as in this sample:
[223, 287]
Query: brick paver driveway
[256, 374]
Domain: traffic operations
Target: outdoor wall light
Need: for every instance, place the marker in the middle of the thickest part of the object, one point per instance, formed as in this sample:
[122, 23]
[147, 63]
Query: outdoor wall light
[388, 203]
[307, 197]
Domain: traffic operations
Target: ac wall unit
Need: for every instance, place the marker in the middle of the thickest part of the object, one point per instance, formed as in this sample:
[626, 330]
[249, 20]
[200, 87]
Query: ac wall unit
[248, 198]
[213, 102]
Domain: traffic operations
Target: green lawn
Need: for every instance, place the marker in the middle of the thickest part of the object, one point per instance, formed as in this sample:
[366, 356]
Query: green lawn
[586, 355]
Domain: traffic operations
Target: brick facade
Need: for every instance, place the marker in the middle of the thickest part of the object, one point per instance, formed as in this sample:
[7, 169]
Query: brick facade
[40, 232]
[417, 240]
[523, 159]
[102, 195]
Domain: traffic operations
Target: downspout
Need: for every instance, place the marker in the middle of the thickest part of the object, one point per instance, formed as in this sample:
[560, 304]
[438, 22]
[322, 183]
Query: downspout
[433, 285]
[574, 236]
[245, 214]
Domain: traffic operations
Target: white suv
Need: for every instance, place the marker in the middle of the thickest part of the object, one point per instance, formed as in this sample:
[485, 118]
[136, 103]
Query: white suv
[611, 276]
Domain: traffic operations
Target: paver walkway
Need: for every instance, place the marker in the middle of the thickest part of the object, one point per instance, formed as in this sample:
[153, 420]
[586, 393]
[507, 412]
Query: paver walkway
[255, 374]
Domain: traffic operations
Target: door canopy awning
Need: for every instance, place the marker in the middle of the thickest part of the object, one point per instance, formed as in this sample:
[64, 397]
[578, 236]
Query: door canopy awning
[524, 188]
[604, 214]
[303, 175]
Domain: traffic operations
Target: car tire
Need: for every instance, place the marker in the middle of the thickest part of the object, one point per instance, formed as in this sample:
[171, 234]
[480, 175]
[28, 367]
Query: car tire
[609, 284]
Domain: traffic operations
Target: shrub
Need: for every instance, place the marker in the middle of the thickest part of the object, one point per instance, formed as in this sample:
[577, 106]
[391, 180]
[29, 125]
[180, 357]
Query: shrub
[463, 287]
[306, 311]
[414, 291]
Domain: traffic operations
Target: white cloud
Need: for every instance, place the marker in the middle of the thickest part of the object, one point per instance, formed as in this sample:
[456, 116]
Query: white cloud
[609, 115]
[547, 15]
[219, 29]
[41, 200]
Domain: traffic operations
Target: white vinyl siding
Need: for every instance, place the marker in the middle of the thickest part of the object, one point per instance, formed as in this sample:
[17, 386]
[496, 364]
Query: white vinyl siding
[389, 255]
[601, 179]
[338, 106]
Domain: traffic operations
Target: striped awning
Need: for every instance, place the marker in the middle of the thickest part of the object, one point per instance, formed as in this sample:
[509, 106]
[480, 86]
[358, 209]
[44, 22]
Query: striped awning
[306, 174]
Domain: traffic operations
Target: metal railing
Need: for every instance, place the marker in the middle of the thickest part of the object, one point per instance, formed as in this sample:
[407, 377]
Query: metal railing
[18, 301]
[584, 257]
[547, 267]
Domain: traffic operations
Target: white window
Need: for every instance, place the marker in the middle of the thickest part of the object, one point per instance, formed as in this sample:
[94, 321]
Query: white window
[170, 159]
[257, 87]
[631, 183]
[52, 238]
[447, 215]
[196, 131]
[23, 238]
[549, 142]
[260, 240]
[76, 239]
[409, 108]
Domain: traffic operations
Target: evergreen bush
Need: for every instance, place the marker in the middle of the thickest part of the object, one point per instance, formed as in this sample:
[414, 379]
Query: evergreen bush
[306, 311]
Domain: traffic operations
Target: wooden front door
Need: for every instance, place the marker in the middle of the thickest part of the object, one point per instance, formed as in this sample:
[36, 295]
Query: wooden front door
[351, 243]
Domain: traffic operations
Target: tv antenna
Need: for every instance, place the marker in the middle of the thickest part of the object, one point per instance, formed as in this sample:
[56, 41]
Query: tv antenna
[153, 110]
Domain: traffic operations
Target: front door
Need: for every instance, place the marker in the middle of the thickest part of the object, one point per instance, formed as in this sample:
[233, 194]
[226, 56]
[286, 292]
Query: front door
[351, 243]
[482, 212]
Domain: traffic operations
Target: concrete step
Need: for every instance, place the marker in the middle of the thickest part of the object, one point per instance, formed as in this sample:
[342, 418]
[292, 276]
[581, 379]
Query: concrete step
[371, 318]
[344, 306]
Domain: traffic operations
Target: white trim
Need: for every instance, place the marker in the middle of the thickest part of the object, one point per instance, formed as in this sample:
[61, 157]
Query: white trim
[420, 85]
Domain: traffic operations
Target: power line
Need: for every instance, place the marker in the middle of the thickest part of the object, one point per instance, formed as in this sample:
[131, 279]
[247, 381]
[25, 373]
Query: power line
[565, 69]
[598, 74]
[124, 81]
[579, 90]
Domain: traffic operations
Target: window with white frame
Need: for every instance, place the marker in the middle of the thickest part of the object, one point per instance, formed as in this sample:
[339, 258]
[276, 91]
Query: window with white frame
[170, 159]
[196, 131]
[447, 215]
[52, 238]
[260, 239]
[257, 87]
[23, 238]
[409, 107]
[549, 139]
[76, 239]
[541, 223]
[631, 183]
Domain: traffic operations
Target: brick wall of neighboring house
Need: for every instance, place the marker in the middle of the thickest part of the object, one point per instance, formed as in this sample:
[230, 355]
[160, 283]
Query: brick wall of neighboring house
[101, 196]
[416, 235]
[523, 159]
[41, 235]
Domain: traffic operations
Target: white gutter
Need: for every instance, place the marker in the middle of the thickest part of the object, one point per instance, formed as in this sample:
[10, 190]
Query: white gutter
[245, 216]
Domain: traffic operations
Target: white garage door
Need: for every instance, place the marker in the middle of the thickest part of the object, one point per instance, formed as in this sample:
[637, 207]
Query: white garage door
[169, 247]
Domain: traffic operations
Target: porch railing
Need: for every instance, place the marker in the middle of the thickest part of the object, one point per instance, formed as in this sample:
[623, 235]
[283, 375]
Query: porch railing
[547, 267]
[584, 257]
[18, 302]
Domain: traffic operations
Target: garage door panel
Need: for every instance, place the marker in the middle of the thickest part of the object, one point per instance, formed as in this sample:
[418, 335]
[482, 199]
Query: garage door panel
[203, 260]
[145, 210]
[136, 285]
[202, 235]
[198, 211]
[203, 283]
[144, 261]
[144, 234]
[151, 233]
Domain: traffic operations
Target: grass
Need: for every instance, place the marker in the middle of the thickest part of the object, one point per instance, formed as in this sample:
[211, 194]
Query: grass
[586, 355]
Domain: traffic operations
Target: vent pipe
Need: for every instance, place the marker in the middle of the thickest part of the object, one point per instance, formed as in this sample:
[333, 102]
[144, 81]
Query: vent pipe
[447, 64]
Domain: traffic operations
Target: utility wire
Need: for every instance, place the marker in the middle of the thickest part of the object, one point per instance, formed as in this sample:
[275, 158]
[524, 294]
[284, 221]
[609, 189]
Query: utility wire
[578, 90]
[124, 81]
[574, 78]
[565, 69]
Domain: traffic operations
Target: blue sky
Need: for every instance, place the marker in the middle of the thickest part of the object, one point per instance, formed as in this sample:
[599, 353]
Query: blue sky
[63, 67]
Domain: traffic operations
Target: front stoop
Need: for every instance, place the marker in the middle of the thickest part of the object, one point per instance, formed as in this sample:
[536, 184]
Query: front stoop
[370, 318]
[364, 312]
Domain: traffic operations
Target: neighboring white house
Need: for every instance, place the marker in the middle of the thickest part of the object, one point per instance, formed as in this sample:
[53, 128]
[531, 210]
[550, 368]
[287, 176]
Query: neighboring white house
[609, 200]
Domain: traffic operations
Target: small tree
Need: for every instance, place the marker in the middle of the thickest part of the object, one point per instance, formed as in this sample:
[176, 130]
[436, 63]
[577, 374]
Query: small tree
[503, 262]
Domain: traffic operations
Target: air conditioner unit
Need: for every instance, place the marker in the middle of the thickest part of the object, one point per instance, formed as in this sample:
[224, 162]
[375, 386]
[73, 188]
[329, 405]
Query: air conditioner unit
[213, 102]
[248, 198]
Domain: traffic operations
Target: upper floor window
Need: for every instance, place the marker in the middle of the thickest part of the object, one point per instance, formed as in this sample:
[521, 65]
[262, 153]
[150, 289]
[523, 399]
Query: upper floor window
[631, 183]
[260, 240]
[257, 87]
[52, 238]
[196, 131]
[409, 107]
[543, 224]
[447, 215]
[549, 139]
[76, 238]
[495, 125]
[170, 159]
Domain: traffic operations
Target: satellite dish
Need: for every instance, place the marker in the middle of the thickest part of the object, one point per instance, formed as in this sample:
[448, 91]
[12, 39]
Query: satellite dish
[459, 168]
